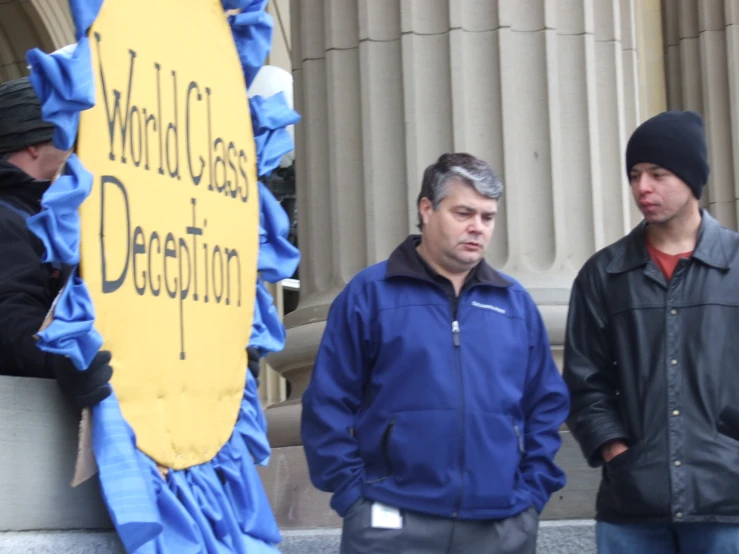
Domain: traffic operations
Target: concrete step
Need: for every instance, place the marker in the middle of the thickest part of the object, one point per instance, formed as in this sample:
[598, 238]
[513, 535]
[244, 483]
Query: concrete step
[555, 537]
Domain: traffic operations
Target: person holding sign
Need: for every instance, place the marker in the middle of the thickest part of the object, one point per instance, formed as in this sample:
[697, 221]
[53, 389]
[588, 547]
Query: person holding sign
[434, 407]
[28, 287]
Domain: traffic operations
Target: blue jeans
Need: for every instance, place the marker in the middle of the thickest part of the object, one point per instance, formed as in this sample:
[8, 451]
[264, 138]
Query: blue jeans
[667, 538]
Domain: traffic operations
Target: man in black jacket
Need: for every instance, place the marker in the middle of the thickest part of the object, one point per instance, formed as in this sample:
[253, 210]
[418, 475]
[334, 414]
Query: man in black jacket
[28, 164]
[651, 358]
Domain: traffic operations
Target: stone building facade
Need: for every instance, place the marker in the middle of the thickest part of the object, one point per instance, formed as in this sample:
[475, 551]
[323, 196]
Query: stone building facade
[548, 91]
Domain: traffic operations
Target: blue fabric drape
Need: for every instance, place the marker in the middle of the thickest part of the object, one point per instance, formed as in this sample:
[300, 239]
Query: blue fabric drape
[252, 34]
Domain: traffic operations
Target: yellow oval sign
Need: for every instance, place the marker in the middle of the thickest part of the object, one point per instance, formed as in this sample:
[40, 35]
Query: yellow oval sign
[170, 232]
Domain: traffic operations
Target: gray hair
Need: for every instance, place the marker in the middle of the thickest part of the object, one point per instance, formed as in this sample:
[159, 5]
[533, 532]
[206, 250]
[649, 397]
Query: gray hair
[471, 170]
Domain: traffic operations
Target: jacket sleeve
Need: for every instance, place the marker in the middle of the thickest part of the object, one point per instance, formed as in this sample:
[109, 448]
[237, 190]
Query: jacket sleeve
[546, 405]
[24, 302]
[332, 400]
[588, 371]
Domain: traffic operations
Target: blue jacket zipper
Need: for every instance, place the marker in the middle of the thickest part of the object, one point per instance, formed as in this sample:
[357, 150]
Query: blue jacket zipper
[460, 378]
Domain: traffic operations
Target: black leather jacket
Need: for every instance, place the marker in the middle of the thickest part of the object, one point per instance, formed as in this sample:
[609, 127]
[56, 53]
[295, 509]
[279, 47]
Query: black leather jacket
[656, 363]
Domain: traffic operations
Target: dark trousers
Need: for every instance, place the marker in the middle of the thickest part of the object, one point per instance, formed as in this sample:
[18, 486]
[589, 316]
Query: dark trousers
[667, 538]
[425, 534]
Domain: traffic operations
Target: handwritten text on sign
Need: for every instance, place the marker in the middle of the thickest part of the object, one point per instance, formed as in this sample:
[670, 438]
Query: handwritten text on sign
[170, 232]
[139, 129]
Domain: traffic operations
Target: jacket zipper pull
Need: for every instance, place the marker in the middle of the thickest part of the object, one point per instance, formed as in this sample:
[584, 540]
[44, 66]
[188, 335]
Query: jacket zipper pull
[455, 332]
[520, 439]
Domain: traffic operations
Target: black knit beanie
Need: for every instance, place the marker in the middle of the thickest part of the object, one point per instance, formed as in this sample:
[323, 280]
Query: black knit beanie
[20, 117]
[673, 140]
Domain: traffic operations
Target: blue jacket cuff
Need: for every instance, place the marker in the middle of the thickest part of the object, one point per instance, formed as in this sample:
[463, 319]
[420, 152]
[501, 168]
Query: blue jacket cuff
[341, 502]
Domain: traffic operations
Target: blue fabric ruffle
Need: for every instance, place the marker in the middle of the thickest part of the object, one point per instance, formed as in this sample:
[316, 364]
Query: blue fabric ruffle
[252, 34]
[270, 118]
[72, 331]
[84, 13]
[58, 223]
[278, 258]
[219, 506]
[65, 85]
[267, 332]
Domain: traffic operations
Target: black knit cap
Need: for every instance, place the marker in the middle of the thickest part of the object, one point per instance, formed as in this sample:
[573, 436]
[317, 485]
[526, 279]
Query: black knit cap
[675, 141]
[20, 117]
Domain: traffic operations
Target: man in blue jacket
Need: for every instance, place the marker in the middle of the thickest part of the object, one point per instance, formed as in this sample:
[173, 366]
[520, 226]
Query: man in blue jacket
[434, 408]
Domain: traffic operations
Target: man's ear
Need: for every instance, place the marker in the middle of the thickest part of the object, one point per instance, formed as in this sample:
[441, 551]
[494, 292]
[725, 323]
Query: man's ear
[33, 151]
[425, 207]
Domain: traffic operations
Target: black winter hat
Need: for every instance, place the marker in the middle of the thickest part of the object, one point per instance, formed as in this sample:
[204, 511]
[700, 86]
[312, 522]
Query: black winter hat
[20, 117]
[674, 140]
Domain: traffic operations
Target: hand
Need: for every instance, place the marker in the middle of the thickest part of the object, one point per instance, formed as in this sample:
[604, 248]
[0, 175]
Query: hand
[253, 365]
[89, 387]
[612, 449]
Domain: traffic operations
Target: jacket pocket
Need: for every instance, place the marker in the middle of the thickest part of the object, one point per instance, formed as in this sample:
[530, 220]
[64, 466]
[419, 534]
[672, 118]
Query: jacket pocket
[727, 439]
[622, 460]
[385, 453]
[386, 436]
[712, 476]
[633, 488]
[422, 450]
[493, 450]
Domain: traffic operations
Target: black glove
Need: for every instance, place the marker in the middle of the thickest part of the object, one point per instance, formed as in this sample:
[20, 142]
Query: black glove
[89, 387]
[253, 363]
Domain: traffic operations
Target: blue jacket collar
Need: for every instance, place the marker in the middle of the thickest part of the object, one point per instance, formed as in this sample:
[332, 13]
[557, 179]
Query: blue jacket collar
[406, 262]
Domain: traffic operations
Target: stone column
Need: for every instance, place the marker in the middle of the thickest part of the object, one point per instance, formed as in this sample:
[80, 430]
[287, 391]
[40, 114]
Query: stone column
[45, 24]
[546, 91]
[702, 53]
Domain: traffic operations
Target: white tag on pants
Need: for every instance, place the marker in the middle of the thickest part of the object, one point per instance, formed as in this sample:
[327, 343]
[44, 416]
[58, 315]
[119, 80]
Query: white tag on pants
[386, 517]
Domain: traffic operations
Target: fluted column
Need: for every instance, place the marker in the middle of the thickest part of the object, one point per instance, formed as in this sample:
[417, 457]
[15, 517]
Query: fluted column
[547, 91]
[702, 52]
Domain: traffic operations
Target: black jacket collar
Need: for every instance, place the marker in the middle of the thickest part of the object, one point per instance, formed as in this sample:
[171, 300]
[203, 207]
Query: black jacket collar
[20, 188]
[710, 248]
[406, 262]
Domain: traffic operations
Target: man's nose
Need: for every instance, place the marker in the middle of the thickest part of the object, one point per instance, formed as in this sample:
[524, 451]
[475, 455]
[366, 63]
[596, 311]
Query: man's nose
[476, 225]
[643, 183]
